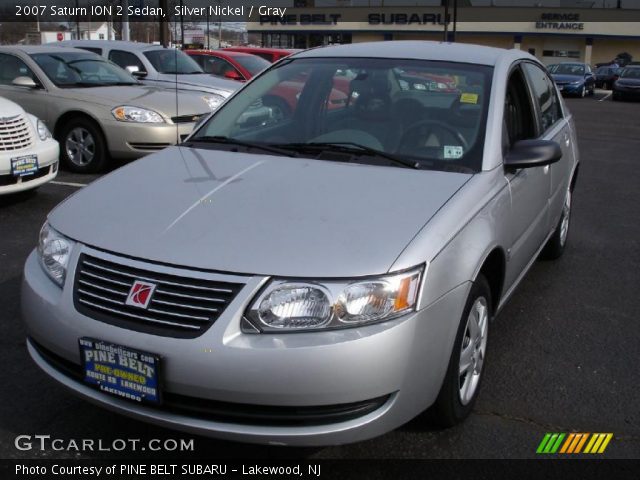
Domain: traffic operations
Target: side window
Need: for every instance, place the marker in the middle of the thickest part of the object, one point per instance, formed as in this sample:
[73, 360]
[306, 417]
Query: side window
[545, 95]
[12, 67]
[519, 119]
[125, 59]
[215, 65]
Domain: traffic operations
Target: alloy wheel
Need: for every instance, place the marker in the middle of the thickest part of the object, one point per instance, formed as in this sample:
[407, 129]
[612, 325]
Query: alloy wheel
[473, 350]
[80, 146]
[566, 216]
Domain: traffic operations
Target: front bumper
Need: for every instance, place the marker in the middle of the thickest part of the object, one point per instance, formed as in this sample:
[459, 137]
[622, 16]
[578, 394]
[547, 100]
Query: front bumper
[626, 93]
[571, 89]
[129, 140]
[383, 374]
[47, 152]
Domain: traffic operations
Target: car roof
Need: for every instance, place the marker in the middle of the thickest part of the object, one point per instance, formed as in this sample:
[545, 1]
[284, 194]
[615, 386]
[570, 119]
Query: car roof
[29, 49]
[418, 50]
[222, 53]
[112, 44]
[287, 51]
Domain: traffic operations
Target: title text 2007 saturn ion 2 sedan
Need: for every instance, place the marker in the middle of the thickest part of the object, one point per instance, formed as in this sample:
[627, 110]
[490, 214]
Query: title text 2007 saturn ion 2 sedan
[319, 278]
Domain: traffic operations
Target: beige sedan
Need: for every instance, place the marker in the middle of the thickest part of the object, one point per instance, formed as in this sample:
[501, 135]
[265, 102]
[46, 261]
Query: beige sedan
[95, 109]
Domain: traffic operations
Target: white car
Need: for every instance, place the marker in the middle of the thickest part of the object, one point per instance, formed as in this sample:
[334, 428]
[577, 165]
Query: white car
[28, 154]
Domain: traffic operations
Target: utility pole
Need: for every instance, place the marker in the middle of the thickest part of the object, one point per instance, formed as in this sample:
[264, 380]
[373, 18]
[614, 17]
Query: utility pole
[77, 21]
[125, 20]
[164, 25]
[208, 37]
[455, 19]
[220, 25]
[446, 20]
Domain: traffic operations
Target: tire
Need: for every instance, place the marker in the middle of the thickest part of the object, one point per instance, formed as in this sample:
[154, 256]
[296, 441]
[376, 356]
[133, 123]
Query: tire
[583, 92]
[556, 244]
[83, 148]
[280, 109]
[605, 86]
[457, 398]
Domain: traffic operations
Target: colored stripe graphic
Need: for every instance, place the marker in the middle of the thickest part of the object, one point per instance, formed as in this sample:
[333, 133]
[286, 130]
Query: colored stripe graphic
[573, 443]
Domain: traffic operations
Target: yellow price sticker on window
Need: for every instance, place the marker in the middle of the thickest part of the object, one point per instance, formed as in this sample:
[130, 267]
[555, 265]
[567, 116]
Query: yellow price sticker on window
[469, 98]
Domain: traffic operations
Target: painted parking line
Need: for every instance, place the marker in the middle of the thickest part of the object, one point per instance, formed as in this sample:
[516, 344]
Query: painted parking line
[69, 184]
[606, 96]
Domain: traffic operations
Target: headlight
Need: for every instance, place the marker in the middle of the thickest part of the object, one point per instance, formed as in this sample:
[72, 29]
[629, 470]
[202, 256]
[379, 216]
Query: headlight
[577, 82]
[43, 131]
[136, 114]
[54, 250]
[213, 101]
[294, 306]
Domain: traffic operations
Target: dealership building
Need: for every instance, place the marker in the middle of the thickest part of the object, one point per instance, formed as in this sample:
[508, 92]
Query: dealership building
[554, 31]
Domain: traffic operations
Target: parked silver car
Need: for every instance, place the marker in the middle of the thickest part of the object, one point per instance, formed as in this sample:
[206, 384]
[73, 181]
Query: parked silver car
[93, 107]
[321, 278]
[159, 66]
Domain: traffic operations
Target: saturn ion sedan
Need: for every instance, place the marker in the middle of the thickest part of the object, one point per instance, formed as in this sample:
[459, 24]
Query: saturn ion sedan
[320, 278]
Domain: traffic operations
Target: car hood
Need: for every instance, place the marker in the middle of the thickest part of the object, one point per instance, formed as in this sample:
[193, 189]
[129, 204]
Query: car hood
[567, 78]
[9, 108]
[628, 82]
[257, 214]
[154, 98]
[211, 83]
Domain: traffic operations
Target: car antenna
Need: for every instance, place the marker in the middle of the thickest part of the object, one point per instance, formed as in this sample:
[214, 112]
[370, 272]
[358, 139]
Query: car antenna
[175, 53]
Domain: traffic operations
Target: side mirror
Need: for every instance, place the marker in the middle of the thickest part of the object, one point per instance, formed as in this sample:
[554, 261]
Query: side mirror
[24, 82]
[532, 153]
[233, 75]
[136, 72]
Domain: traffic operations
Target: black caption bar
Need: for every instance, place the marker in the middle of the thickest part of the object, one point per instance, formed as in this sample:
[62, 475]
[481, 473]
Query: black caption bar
[328, 469]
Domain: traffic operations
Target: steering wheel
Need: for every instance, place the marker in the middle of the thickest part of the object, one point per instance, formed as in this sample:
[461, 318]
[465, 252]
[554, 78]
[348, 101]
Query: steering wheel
[90, 77]
[424, 128]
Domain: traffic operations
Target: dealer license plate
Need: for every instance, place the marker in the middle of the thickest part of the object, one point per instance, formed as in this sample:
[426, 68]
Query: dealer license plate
[121, 371]
[25, 165]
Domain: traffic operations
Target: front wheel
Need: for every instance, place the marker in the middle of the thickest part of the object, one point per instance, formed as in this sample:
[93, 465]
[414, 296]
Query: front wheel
[464, 374]
[82, 146]
[555, 245]
[583, 92]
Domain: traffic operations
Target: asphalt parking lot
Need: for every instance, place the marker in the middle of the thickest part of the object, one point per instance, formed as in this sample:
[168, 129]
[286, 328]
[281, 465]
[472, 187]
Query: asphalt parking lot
[562, 355]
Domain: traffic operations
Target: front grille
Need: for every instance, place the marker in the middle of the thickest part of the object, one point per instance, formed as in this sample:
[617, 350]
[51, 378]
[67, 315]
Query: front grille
[180, 307]
[152, 147]
[15, 133]
[188, 118]
[239, 413]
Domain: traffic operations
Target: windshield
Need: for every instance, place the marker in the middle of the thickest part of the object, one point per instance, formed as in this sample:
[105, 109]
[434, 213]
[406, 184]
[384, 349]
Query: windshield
[568, 69]
[252, 63]
[630, 73]
[423, 113]
[172, 61]
[81, 70]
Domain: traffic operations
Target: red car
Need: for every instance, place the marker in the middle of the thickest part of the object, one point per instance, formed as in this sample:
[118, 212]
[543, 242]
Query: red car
[229, 64]
[270, 54]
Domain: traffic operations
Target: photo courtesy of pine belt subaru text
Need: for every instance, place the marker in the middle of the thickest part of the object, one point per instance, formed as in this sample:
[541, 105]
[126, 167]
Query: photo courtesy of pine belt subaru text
[321, 277]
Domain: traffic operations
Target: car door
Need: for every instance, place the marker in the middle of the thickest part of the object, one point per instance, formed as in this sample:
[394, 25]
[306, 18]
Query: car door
[529, 187]
[553, 126]
[33, 100]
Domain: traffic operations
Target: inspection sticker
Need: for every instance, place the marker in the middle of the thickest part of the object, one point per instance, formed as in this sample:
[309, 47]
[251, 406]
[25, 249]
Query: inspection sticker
[469, 98]
[452, 151]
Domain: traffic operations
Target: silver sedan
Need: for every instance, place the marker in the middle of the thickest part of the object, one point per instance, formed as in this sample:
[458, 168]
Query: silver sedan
[93, 107]
[322, 277]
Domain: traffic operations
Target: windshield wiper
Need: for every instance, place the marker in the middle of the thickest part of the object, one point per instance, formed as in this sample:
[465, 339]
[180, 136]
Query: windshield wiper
[241, 143]
[349, 147]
